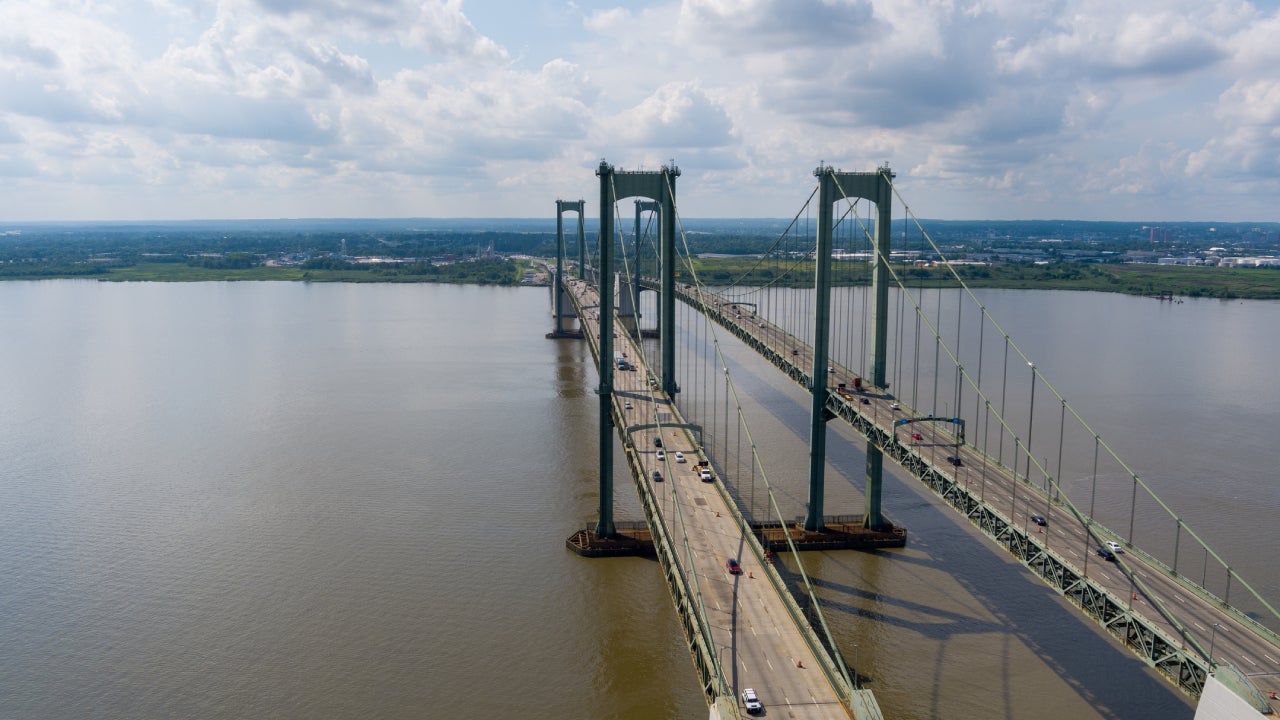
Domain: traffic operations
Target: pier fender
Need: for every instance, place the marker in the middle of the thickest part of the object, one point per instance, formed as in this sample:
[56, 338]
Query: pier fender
[724, 708]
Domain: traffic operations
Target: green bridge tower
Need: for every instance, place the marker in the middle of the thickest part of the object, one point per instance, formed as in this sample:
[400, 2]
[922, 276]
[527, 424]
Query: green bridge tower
[834, 186]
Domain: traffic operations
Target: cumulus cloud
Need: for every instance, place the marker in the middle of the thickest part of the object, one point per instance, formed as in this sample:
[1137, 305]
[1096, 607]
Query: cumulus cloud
[1249, 145]
[676, 116]
[20, 50]
[752, 26]
[1246, 147]
[1106, 41]
[438, 27]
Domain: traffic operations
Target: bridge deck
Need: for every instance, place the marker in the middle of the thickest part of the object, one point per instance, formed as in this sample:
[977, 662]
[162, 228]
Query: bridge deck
[1235, 641]
[756, 638]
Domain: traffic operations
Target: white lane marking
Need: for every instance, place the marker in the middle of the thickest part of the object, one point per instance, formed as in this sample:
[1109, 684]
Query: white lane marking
[1270, 658]
[1193, 622]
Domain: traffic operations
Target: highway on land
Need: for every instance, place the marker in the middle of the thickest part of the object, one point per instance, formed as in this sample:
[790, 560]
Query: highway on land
[757, 641]
[1203, 618]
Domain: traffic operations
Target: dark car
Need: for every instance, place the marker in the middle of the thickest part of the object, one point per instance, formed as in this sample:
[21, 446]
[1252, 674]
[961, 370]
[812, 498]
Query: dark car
[1106, 554]
[657, 476]
[954, 460]
[1039, 520]
[866, 401]
[657, 442]
[734, 567]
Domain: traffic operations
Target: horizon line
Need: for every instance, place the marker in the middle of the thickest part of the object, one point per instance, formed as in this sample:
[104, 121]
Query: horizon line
[176, 221]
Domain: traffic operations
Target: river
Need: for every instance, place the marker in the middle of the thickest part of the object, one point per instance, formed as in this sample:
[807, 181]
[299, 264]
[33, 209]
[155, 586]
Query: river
[291, 500]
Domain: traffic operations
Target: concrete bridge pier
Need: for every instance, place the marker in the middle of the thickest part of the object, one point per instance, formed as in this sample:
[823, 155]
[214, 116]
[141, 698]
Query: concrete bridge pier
[628, 309]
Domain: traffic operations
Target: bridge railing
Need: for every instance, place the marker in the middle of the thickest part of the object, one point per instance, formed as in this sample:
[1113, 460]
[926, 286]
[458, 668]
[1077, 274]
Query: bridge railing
[686, 597]
[1101, 533]
[1158, 648]
[861, 703]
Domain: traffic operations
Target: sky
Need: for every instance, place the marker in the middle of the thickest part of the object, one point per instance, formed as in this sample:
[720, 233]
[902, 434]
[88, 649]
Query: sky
[1142, 110]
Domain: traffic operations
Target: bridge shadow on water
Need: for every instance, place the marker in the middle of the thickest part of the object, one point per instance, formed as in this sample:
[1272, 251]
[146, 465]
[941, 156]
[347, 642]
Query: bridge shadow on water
[1014, 602]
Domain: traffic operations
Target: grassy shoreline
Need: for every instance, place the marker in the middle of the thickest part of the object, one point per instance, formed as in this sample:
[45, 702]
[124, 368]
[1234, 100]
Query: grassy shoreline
[501, 272]
[1127, 279]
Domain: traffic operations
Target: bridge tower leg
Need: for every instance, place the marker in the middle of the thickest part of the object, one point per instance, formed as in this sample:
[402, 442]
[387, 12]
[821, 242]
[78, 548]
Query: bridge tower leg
[834, 186]
[883, 198]
[667, 262]
[818, 415]
[582, 240]
[558, 286]
[605, 527]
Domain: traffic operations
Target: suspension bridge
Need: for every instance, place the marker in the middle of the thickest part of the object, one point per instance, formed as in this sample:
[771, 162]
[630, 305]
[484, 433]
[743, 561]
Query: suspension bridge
[832, 306]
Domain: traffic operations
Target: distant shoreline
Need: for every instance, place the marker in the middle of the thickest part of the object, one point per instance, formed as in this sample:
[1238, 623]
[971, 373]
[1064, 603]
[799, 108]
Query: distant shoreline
[1129, 279]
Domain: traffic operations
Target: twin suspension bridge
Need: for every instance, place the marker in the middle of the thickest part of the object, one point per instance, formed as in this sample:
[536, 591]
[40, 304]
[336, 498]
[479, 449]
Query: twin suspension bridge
[832, 306]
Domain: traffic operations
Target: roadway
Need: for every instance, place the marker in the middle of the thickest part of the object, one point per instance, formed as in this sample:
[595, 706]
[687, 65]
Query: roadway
[1204, 619]
[758, 644]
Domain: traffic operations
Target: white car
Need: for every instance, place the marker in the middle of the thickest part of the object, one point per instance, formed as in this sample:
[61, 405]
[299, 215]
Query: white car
[752, 701]
[679, 457]
[705, 474]
[627, 405]
[1114, 546]
[662, 455]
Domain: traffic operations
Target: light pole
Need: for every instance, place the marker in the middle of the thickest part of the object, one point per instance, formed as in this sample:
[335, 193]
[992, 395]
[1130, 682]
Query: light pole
[1213, 636]
[857, 681]
[1030, 419]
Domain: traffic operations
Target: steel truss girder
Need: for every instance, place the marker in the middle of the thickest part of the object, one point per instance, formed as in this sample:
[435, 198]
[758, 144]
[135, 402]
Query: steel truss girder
[1135, 632]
